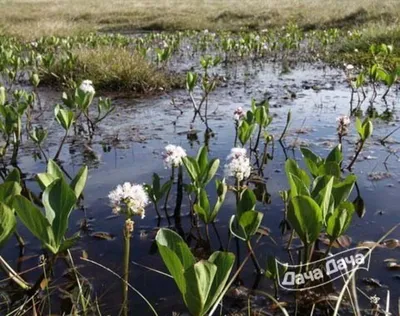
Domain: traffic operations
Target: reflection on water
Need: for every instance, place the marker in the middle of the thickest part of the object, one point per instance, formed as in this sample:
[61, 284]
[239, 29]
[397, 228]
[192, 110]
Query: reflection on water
[129, 148]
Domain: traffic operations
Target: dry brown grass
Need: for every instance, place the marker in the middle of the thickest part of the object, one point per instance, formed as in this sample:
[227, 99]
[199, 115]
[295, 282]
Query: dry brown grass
[116, 69]
[33, 18]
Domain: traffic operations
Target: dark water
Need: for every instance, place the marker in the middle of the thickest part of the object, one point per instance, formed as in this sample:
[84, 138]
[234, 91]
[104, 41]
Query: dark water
[315, 95]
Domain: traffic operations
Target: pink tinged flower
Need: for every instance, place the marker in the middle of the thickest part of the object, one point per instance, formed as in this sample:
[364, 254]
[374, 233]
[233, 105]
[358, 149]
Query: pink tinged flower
[238, 114]
[343, 124]
[173, 156]
[129, 198]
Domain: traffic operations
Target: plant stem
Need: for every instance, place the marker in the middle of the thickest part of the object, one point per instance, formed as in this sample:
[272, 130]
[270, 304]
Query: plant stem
[208, 235]
[356, 155]
[288, 118]
[179, 194]
[20, 240]
[254, 258]
[127, 237]
[258, 138]
[61, 145]
[167, 196]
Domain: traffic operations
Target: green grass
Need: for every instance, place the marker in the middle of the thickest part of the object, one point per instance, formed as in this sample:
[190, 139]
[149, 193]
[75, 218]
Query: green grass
[116, 69]
[30, 19]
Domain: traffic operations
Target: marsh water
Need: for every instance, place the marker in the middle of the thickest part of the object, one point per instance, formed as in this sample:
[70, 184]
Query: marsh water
[129, 146]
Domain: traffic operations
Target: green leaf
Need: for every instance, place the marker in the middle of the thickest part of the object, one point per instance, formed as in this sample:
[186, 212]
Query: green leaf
[335, 155]
[202, 158]
[175, 254]
[8, 190]
[192, 167]
[322, 194]
[329, 168]
[292, 167]
[211, 170]
[297, 187]
[45, 179]
[245, 131]
[341, 190]
[64, 117]
[13, 176]
[222, 189]
[59, 201]
[305, 216]
[245, 225]
[54, 169]
[79, 182]
[203, 214]
[199, 277]
[247, 202]
[339, 220]
[250, 221]
[203, 206]
[311, 160]
[35, 221]
[224, 262]
[367, 129]
[261, 115]
[7, 223]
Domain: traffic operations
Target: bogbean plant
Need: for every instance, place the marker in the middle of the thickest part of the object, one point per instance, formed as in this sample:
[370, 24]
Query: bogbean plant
[318, 197]
[208, 85]
[381, 70]
[49, 226]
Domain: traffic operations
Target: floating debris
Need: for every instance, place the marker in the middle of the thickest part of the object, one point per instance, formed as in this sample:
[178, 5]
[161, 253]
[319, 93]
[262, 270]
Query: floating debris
[376, 176]
[103, 235]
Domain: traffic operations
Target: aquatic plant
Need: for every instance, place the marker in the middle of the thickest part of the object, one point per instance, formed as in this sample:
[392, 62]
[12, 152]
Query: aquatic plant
[200, 283]
[130, 200]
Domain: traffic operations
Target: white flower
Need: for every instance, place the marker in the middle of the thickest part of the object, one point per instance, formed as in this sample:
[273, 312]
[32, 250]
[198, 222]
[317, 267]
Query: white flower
[34, 44]
[205, 31]
[129, 225]
[238, 114]
[238, 164]
[349, 67]
[87, 86]
[130, 198]
[173, 156]
[374, 299]
[236, 153]
[257, 38]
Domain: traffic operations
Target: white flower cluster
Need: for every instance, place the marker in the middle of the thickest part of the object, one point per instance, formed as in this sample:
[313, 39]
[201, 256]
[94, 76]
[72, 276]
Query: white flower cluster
[343, 124]
[349, 67]
[238, 114]
[87, 86]
[238, 164]
[173, 156]
[129, 198]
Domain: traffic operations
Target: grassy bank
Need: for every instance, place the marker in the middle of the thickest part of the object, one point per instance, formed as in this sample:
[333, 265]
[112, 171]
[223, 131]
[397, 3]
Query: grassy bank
[113, 69]
[30, 19]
